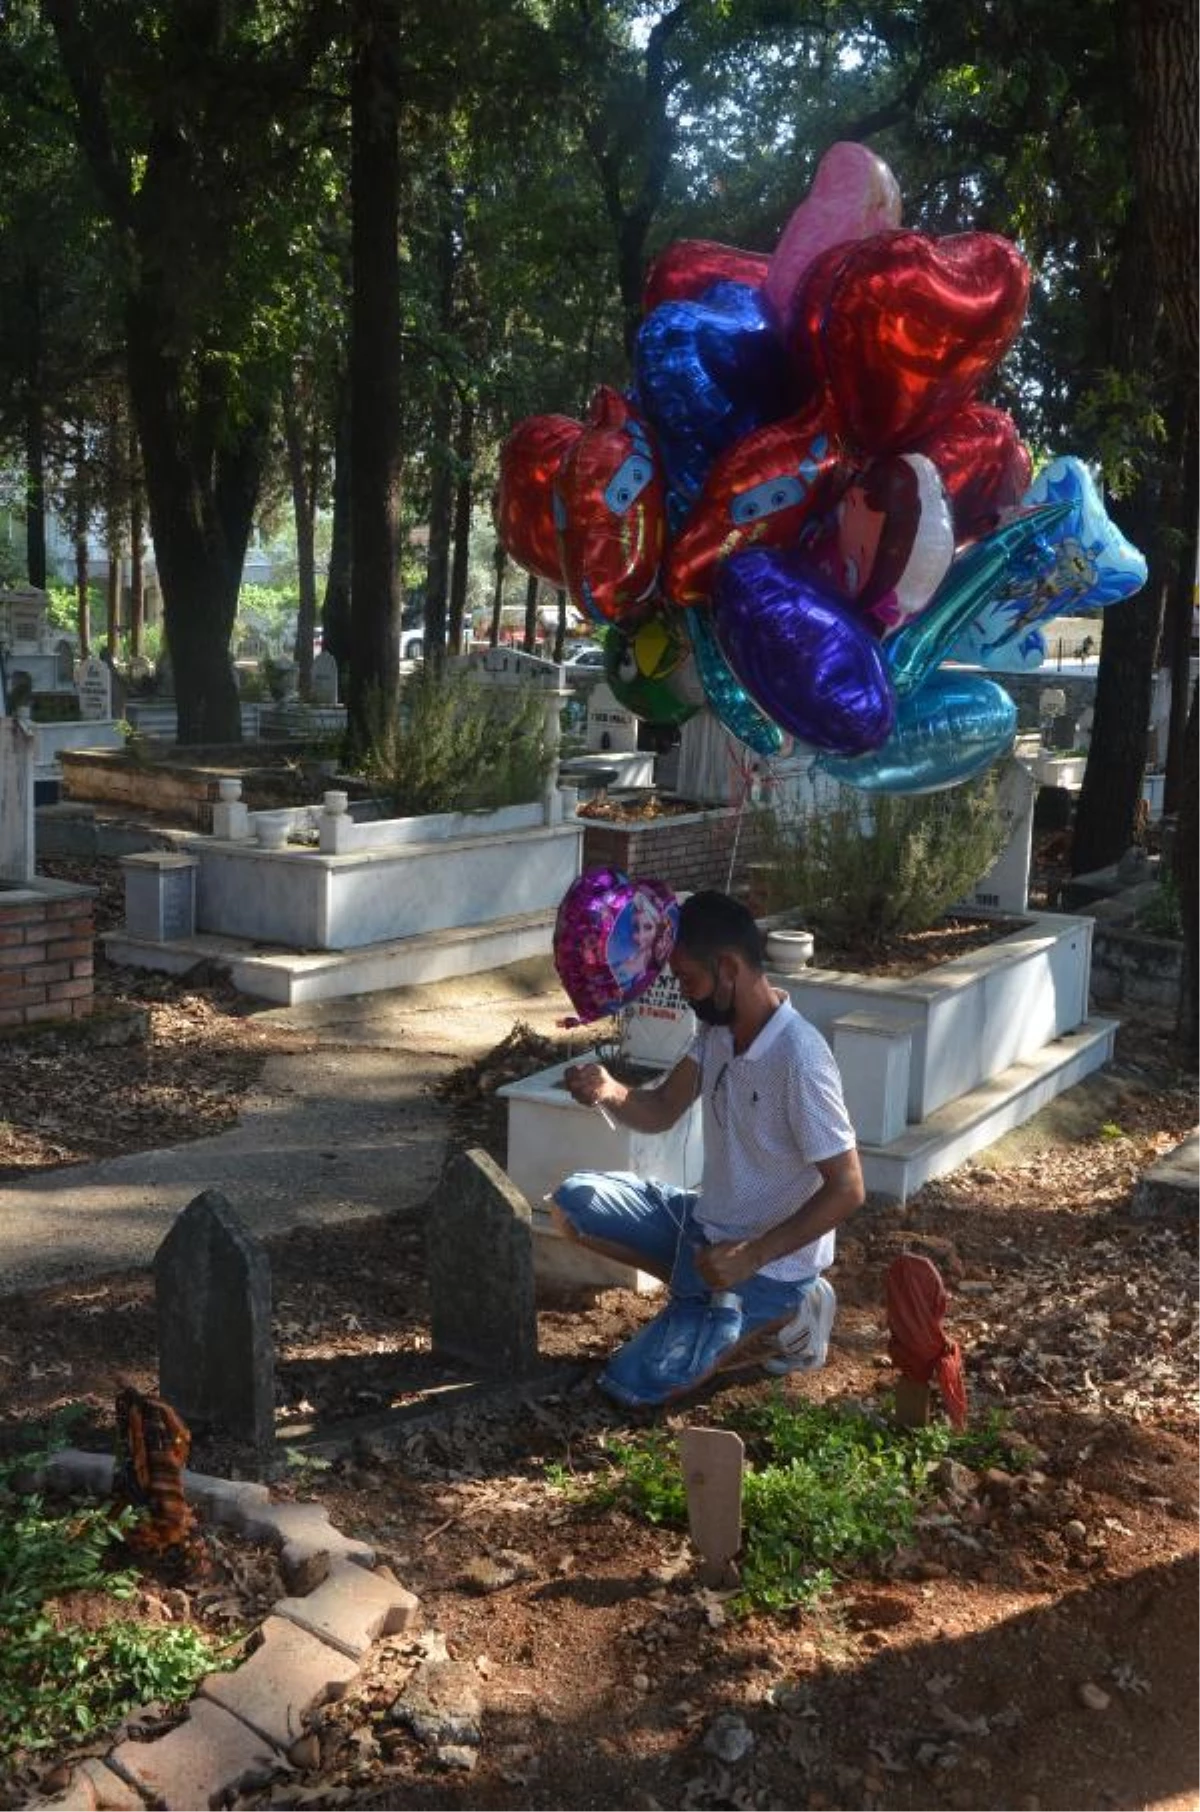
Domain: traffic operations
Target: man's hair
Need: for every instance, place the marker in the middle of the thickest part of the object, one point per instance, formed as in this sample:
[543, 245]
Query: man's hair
[712, 922]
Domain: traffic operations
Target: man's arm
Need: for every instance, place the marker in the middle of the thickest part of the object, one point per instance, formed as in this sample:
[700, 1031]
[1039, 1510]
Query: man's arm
[644, 1109]
[730, 1262]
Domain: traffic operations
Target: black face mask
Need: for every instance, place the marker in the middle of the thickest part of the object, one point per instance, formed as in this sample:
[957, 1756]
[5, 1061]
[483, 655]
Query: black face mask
[708, 1012]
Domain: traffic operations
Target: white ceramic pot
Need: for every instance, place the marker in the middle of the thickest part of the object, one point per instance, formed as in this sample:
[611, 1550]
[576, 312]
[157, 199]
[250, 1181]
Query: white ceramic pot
[789, 951]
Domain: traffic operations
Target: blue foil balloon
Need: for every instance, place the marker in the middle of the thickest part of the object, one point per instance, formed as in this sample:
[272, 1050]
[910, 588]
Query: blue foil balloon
[707, 372]
[975, 578]
[728, 700]
[949, 730]
[805, 658]
[1088, 564]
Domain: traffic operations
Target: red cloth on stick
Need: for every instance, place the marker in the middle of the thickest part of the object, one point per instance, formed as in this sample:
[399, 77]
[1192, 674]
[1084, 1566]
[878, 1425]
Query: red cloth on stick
[916, 1303]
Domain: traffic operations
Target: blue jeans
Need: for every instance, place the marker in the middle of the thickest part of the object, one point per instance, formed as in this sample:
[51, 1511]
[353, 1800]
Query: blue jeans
[657, 1222]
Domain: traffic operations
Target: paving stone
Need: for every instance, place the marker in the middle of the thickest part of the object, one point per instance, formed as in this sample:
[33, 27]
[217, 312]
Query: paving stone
[227, 1502]
[291, 1674]
[307, 1525]
[200, 1761]
[352, 1608]
[70, 1469]
[112, 1794]
[304, 1567]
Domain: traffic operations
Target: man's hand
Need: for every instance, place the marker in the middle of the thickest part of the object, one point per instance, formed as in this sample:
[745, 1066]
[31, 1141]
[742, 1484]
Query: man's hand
[591, 1085]
[727, 1263]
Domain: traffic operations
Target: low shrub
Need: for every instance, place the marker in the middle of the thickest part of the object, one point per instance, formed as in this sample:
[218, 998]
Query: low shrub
[453, 744]
[866, 867]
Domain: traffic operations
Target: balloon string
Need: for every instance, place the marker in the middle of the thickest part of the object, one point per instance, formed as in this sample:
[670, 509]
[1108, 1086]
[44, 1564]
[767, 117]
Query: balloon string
[745, 771]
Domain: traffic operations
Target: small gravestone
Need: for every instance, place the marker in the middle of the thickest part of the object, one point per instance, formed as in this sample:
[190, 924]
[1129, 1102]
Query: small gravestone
[64, 663]
[479, 1246]
[216, 1358]
[93, 682]
[324, 679]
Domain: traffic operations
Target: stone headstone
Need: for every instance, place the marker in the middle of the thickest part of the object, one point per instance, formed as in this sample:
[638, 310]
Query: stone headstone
[64, 663]
[18, 747]
[609, 725]
[94, 685]
[324, 679]
[479, 1248]
[216, 1358]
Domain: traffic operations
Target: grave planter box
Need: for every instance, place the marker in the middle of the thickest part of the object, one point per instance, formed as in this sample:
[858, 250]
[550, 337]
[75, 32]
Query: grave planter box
[970, 1018]
[550, 1135]
[46, 951]
[409, 877]
[1131, 966]
[688, 851]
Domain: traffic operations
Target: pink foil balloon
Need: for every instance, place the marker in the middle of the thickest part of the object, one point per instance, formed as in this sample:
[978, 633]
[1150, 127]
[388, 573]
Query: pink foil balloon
[893, 540]
[686, 269]
[612, 936]
[853, 195]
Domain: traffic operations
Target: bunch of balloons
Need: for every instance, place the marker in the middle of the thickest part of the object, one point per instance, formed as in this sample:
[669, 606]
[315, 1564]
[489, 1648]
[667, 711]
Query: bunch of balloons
[801, 508]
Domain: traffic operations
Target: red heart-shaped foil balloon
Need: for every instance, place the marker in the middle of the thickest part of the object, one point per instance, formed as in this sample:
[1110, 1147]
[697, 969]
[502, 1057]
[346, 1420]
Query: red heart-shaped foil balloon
[911, 327]
[983, 466]
[759, 493]
[690, 266]
[523, 507]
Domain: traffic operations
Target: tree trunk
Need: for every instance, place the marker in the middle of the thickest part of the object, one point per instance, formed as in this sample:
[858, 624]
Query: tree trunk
[531, 603]
[35, 433]
[463, 453]
[80, 534]
[137, 550]
[1178, 627]
[441, 487]
[560, 627]
[335, 608]
[500, 563]
[302, 475]
[374, 365]
[1164, 62]
[112, 599]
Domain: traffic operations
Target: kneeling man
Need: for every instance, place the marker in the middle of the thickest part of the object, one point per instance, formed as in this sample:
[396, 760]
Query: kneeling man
[745, 1256]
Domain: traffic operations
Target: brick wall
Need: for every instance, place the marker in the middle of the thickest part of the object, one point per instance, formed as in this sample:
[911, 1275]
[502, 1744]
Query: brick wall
[47, 949]
[686, 852]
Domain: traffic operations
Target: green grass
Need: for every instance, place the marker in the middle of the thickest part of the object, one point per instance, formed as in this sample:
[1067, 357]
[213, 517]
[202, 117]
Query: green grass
[59, 1682]
[825, 1491]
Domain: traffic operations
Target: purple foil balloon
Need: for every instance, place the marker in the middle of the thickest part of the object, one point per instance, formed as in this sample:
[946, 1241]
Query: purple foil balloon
[803, 657]
[612, 936]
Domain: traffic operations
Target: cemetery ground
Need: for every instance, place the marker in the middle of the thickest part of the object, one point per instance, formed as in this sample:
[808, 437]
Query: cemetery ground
[1032, 1644]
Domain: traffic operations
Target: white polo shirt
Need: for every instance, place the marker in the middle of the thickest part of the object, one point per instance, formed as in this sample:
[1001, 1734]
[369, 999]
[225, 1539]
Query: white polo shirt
[769, 1116]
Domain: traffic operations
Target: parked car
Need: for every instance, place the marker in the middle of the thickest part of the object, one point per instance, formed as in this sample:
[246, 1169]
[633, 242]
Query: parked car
[589, 657]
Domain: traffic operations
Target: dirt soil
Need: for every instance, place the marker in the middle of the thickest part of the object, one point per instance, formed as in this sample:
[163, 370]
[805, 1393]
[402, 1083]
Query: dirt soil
[1035, 1646]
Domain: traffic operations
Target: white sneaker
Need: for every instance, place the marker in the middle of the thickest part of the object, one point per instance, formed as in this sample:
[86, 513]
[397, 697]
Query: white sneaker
[804, 1340]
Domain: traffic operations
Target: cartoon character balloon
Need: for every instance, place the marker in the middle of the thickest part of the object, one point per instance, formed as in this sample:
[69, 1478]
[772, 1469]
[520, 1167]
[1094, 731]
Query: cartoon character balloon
[892, 540]
[650, 670]
[911, 328]
[759, 493]
[853, 195]
[1087, 562]
[609, 509]
[524, 503]
[802, 656]
[612, 936]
